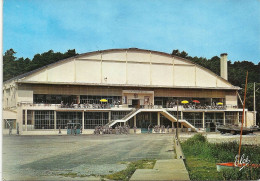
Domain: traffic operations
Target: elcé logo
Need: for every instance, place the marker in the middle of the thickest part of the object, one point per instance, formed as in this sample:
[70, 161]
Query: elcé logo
[241, 162]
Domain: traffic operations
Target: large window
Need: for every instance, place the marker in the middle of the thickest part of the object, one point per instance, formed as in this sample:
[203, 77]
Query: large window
[93, 119]
[63, 118]
[44, 119]
[29, 117]
[194, 118]
[54, 99]
[118, 114]
[231, 117]
[90, 99]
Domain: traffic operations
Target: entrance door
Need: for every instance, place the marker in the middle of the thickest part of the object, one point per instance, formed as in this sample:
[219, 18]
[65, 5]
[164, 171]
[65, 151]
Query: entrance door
[136, 103]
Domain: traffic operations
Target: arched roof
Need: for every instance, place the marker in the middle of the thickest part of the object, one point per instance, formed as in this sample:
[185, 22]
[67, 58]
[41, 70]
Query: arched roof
[127, 67]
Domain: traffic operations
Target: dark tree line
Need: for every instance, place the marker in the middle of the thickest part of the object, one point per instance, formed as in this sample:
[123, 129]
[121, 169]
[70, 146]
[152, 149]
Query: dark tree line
[13, 66]
[236, 76]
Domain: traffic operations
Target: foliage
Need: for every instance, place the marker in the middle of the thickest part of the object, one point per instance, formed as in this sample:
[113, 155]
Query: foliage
[236, 75]
[202, 156]
[13, 66]
[129, 171]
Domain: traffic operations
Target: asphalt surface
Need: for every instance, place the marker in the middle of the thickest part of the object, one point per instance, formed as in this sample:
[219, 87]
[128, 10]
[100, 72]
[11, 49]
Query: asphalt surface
[50, 157]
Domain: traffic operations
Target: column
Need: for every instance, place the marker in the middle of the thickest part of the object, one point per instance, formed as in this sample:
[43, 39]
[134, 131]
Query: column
[135, 121]
[55, 120]
[83, 121]
[224, 118]
[19, 120]
[33, 121]
[237, 118]
[150, 117]
[25, 117]
[109, 116]
[158, 119]
[245, 118]
[203, 119]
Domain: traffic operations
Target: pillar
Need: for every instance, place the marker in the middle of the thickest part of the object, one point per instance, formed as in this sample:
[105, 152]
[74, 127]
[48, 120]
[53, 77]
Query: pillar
[19, 119]
[237, 118]
[224, 118]
[203, 119]
[83, 121]
[158, 119]
[109, 116]
[55, 120]
[135, 121]
[25, 117]
[245, 118]
[33, 121]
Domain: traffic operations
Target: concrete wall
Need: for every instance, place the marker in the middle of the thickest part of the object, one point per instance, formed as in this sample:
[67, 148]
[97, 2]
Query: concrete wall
[249, 118]
[130, 67]
[9, 95]
[231, 100]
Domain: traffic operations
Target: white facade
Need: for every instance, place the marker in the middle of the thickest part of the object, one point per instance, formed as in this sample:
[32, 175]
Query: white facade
[138, 77]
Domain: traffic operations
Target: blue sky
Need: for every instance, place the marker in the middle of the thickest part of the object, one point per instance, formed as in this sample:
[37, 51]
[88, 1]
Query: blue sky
[200, 27]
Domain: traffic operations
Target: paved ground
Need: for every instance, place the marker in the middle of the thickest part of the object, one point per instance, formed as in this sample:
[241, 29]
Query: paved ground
[172, 169]
[46, 157]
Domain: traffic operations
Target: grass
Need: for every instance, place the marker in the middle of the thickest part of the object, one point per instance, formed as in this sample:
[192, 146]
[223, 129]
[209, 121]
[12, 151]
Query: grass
[122, 175]
[131, 167]
[202, 156]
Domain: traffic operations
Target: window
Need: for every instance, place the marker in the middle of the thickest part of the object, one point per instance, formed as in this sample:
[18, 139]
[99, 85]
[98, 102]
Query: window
[44, 119]
[63, 118]
[93, 119]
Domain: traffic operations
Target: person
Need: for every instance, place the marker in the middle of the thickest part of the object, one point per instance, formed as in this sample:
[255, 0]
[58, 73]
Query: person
[80, 129]
[71, 129]
[59, 130]
[149, 128]
[168, 127]
[135, 129]
[75, 130]
[17, 129]
[10, 129]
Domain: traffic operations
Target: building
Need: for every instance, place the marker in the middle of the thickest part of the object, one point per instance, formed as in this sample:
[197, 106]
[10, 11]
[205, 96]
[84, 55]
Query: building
[142, 87]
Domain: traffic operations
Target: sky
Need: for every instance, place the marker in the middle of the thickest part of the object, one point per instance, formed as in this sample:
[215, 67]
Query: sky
[203, 28]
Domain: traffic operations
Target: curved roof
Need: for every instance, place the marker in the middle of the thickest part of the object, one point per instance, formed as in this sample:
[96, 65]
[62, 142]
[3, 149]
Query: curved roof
[165, 70]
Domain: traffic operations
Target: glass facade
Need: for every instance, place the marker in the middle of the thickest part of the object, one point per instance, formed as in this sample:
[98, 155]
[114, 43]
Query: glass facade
[44, 119]
[194, 118]
[93, 119]
[54, 99]
[115, 115]
[96, 99]
[169, 102]
[63, 118]
[231, 117]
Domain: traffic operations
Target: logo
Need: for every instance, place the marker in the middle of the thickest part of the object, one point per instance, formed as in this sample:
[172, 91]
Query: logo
[243, 162]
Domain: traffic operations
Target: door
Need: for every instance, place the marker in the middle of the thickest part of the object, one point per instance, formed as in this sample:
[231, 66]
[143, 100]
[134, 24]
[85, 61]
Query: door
[136, 103]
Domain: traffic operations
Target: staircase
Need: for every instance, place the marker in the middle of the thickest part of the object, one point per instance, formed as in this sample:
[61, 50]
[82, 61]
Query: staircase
[174, 119]
[161, 110]
[126, 118]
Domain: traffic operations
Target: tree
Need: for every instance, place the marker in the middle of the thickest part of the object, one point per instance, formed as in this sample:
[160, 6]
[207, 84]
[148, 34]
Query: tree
[13, 66]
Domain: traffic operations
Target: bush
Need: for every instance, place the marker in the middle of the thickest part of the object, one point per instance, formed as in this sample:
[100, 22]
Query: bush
[199, 152]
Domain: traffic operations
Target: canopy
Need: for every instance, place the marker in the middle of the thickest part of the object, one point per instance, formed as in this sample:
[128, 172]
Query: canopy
[196, 101]
[103, 100]
[184, 102]
[219, 103]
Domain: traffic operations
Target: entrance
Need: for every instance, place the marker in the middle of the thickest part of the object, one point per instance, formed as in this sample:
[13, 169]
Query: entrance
[136, 103]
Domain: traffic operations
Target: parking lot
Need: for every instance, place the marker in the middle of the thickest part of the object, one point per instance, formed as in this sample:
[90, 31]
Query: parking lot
[52, 157]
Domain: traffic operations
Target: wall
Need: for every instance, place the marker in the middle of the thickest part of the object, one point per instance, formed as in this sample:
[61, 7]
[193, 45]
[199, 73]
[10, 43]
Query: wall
[129, 67]
[250, 118]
